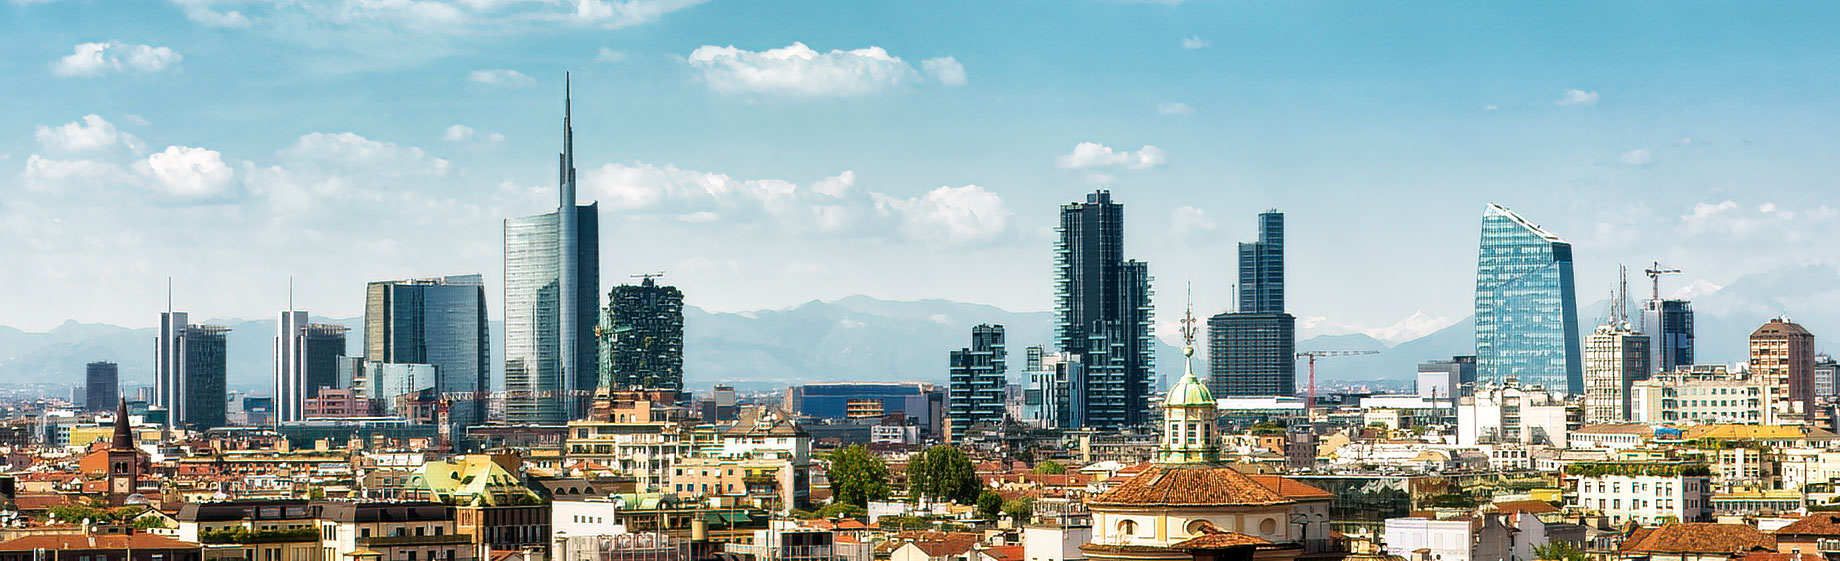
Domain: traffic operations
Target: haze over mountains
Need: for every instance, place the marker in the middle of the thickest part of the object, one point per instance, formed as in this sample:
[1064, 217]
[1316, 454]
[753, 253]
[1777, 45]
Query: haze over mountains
[863, 338]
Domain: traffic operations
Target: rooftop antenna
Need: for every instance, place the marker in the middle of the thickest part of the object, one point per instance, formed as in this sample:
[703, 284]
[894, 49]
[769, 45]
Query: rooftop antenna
[1619, 309]
[290, 293]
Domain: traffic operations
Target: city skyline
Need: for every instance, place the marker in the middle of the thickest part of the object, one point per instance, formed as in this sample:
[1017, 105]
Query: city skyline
[1635, 164]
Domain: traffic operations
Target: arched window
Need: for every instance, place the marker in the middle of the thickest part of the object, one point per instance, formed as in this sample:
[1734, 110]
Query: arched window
[1127, 528]
[1195, 527]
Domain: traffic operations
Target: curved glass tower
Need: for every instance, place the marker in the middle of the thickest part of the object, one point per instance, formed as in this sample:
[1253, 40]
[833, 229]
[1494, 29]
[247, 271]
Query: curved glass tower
[1526, 310]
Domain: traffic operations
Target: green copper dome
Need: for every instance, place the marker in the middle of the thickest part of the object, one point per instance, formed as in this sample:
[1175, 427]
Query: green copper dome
[1189, 391]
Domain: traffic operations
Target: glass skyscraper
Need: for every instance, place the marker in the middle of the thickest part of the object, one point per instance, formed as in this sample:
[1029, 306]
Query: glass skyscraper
[642, 337]
[979, 375]
[1669, 326]
[1261, 267]
[1104, 315]
[1526, 308]
[1253, 351]
[189, 372]
[306, 359]
[552, 285]
[439, 322]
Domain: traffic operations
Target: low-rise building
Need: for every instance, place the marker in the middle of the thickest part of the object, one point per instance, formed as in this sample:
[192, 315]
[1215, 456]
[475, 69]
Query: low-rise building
[1644, 492]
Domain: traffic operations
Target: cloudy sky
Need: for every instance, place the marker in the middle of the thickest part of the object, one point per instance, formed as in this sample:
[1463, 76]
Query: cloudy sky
[765, 154]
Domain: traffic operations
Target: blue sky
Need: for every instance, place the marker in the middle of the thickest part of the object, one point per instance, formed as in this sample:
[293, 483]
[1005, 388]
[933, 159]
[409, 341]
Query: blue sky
[765, 154]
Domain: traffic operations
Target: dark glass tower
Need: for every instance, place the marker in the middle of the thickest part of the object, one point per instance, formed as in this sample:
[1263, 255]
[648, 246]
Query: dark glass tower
[101, 386]
[642, 337]
[1669, 326]
[1253, 351]
[552, 285]
[1526, 309]
[189, 372]
[1104, 315]
[978, 376]
[1261, 267]
[437, 321]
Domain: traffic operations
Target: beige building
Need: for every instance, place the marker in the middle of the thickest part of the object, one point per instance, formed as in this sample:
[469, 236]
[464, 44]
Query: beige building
[1782, 353]
[1704, 394]
[1615, 356]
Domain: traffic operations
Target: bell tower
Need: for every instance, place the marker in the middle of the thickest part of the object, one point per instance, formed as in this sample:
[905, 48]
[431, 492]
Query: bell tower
[124, 457]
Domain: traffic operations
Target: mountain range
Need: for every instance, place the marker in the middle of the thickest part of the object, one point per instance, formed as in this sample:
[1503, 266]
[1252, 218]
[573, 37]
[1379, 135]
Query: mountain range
[863, 338]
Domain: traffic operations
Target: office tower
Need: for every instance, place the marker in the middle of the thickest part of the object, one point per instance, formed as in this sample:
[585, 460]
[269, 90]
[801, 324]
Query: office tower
[978, 374]
[642, 337]
[1616, 356]
[1104, 316]
[1782, 353]
[1261, 267]
[1253, 351]
[1526, 311]
[189, 372]
[101, 386]
[1825, 372]
[435, 321]
[1669, 326]
[552, 281]
[306, 359]
[1446, 379]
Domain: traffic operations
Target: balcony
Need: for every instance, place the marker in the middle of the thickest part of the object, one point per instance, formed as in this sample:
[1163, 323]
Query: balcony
[393, 541]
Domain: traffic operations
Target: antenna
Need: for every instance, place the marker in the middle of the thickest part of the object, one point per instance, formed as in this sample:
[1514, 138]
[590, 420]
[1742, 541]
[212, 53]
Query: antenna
[1619, 308]
[169, 295]
[1188, 321]
[290, 293]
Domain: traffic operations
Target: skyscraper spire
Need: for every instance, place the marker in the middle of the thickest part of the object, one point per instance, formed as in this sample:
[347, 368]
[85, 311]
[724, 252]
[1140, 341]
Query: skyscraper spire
[567, 173]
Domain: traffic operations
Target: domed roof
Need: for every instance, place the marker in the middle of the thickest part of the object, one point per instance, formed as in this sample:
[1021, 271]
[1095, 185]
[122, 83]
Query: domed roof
[1179, 486]
[1189, 391]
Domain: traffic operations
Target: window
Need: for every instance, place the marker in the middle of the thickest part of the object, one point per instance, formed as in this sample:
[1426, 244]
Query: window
[1127, 528]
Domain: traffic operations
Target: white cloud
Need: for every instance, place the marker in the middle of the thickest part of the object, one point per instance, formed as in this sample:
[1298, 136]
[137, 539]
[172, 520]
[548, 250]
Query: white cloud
[610, 55]
[45, 174]
[205, 12]
[96, 59]
[189, 172]
[1637, 157]
[457, 133]
[1578, 97]
[1189, 220]
[946, 70]
[89, 134]
[1194, 42]
[1093, 154]
[1491, 107]
[627, 13]
[353, 152]
[495, 137]
[830, 206]
[500, 77]
[799, 71]
[1174, 108]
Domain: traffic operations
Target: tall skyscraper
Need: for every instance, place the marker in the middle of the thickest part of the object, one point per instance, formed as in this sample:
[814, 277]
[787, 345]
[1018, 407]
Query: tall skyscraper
[552, 284]
[434, 321]
[1526, 309]
[1261, 267]
[306, 358]
[1105, 316]
[1253, 351]
[189, 372]
[642, 337]
[978, 376]
[1669, 326]
[101, 386]
[1782, 353]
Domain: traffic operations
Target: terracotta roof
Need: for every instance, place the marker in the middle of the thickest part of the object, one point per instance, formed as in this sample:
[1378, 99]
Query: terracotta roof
[92, 542]
[1815, 524]
[1530, 507]
[1219, 540]
[36, 501]
[941, 544]
[1697, 537]
[1189, 486]
[1774, 556]
[1004, 552]
[1291, 488]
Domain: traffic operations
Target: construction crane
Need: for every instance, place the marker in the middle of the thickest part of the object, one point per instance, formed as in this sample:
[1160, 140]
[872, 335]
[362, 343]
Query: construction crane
[1309, 404]
[1654, 277]
[647, 277]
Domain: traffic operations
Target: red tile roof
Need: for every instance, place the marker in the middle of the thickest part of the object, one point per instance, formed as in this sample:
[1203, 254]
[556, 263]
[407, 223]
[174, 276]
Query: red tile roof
[1815, 524]
[1530, 507]
[1004, 552]
[1189, 486]
[1291, 488]
[1697, 537]
[1219, 540]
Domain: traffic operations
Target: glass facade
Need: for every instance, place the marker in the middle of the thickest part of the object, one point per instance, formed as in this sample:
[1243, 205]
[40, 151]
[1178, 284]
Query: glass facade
[1104, 317]
[440, 322]
[1252, 354]
[1669, 323]
[1526, 309]
[1261, 267]
[979, 375]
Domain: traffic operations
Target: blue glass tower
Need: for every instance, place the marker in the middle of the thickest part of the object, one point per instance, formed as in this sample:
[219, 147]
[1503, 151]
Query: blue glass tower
[1526, 308]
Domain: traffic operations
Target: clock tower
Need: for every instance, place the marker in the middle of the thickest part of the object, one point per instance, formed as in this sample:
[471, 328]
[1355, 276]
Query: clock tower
[126, 462]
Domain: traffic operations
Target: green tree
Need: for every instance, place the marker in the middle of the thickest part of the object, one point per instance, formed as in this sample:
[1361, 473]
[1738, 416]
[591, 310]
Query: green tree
[857, 476]
[842, 510]
[149, 523]
[942, 472]
[1020, 510]
[1050, 467]
[1559, 551]
[989, 505]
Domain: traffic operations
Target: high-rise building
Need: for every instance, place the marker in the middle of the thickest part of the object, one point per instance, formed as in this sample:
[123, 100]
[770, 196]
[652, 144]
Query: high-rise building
[1669, 326]
[1104, 316]
[642, 337]
[1446, 379]
[1526, 309]
[101, 386]
[1782, 354]
[1615, 358]
[1261, 267]
[552, 284]
[1253, 351]
[978, 376]
[189, 372]
[1826, 370]
[434, 321]
[306, 359]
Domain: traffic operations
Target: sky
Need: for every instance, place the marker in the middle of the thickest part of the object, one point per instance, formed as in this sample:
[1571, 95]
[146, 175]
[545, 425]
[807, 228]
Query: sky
[766, 154]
